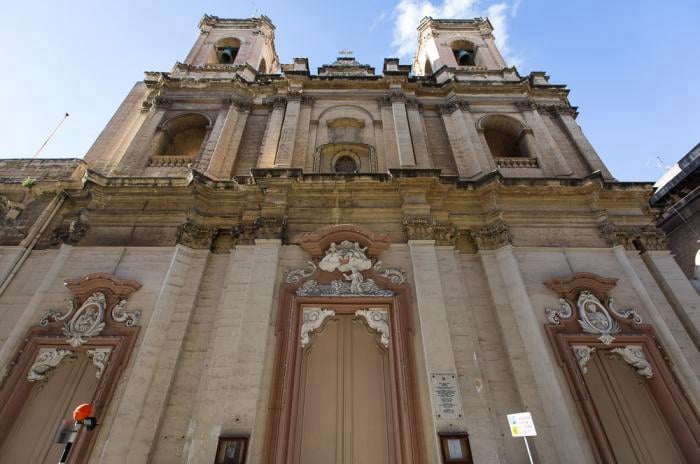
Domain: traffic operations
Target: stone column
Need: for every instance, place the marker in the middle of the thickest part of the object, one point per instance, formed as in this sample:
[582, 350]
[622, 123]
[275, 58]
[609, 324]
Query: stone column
[434, 327]
[681, 362]
[401, 131]
[466, 158]
[289, 130]
[420, 145]
[548, 153]
[144, 144]
[566, 115]
[558, 438]
[232, 387]
[137, 418]
[481, 154]
[272, 133]
[226, 151]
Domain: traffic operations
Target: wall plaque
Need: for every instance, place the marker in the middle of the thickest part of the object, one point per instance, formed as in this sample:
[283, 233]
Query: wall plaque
[446, 398]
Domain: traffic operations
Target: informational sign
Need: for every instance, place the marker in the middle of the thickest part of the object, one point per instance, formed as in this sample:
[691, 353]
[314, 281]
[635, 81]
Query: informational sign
[521, 425]
[448, 405]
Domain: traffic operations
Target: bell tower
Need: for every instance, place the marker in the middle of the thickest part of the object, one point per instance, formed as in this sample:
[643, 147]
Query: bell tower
[236, 42]
[457, 44]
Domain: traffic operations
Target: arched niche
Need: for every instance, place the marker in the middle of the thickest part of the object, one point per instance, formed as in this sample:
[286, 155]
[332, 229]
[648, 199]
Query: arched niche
[506, 137]
[225, 51]
[182, 137]
[327, 156]
[464, 52]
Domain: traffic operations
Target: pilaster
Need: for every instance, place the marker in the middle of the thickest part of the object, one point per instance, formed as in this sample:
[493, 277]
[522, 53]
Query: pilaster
[420, 145]
[584, 146]
[226, 151]
[437, 348]
[558, 439]
[549, 155]
[137, 419]
[143, 145]
[401, 131]
[224, 119]
[289, 130]
[272, 134]
[237, 350]
[466, 159]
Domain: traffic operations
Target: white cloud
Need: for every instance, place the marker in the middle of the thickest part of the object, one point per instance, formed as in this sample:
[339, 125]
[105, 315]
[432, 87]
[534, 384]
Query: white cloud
[408, 13]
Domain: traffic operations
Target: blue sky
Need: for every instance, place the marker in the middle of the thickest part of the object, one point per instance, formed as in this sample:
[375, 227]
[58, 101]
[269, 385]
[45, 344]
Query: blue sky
[632, 66]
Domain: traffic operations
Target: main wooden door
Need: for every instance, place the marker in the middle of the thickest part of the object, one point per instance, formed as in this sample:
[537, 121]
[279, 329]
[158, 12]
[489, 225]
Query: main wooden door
[633, 422]
[345, 396]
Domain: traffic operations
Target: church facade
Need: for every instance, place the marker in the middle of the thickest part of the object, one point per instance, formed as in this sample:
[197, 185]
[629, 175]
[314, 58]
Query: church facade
[254, 263]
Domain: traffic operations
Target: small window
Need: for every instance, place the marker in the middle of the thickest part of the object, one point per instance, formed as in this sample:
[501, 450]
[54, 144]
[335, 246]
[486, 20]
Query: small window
[227, 50]
[231, 450]
[345, 164]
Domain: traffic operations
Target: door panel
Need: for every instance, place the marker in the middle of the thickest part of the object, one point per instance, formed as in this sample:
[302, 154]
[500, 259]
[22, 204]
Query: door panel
[633, 423]
[344, 399]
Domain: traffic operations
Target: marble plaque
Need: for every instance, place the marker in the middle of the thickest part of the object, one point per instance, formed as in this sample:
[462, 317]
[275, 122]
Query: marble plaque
[446, 398]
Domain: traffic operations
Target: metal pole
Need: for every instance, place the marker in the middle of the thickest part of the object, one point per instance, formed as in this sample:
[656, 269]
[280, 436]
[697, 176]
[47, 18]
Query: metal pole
[50, 135]
[529, 455]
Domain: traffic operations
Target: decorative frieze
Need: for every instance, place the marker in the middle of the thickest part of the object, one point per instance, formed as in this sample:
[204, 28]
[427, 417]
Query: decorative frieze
[516, 162]
[634, 356]
[493, 236]
[378, 320]
[313, 319]
[166, 161]
[263, 227]
[195, 236]
[46, 360]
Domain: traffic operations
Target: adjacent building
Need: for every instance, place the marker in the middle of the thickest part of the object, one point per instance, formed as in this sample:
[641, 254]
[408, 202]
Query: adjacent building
[258, 263]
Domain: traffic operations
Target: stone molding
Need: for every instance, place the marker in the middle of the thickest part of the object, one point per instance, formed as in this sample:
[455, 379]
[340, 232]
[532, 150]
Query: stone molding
[100, 357]
[312, 320]
[583, 355]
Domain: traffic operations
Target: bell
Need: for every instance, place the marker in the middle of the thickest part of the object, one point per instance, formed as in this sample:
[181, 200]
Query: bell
[227, 55]
[464, 57]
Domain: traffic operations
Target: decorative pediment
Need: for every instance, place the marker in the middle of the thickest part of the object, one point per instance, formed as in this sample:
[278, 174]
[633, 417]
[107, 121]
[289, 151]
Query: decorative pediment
[581, 303]
[98, 300]
[350, 259]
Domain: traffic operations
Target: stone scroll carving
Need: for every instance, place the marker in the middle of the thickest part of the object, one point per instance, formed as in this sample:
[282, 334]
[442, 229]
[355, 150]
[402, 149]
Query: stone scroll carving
[46, 360]
[554, 316]
[99, 357]
[634, 356]
[89, 319]
[312, 320]
[351, 260]
[583, 355]
[377, 320]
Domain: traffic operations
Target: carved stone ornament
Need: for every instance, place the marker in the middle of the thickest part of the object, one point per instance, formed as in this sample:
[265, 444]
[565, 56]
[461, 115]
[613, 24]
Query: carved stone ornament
[424, 228]
[377, 320]
[395, 276]
[295, 276]
[346, 257]
[89, 319]
[633, 238]
[554, 316]
[99, 357]
[634, 356]
[46, 359]
[312, 320]
[583, 355]
[339, 288]
[193, 235]
[595, 319]
[493, 236]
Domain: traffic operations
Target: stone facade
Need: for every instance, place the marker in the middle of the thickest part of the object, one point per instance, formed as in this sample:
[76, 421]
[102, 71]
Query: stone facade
[411, 162]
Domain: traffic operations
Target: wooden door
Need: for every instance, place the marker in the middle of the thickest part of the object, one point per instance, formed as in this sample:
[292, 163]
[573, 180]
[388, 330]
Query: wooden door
[345, 399]
[30, 439]
[634, 425]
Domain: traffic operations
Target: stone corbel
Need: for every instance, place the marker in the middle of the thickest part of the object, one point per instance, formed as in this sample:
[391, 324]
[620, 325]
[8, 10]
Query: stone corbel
[313, 319]
[378, 320]
[46, 360]
[634, 356]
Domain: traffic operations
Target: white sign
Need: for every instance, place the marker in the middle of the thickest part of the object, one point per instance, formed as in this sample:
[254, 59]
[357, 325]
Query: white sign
[521, 425]
[446, 397]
